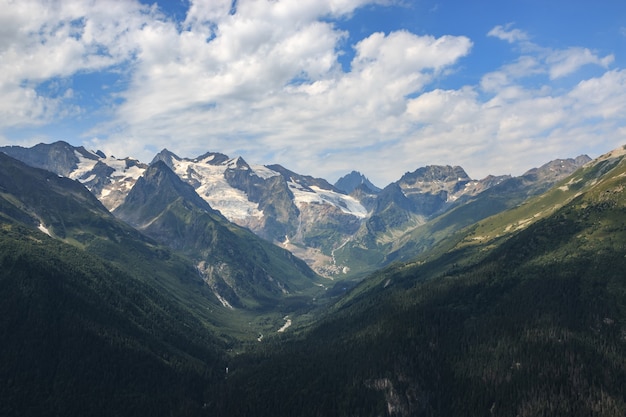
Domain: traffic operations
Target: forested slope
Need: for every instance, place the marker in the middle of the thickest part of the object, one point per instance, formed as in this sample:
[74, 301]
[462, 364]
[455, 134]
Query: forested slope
[82, 337]
[527, 322]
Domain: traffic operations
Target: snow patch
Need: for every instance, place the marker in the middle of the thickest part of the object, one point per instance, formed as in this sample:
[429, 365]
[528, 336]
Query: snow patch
[122, 179]
[216, 191]
[264, 172]
[286, 325]
[224, 301]
[314, 194]
[83, 167]
[44, 229]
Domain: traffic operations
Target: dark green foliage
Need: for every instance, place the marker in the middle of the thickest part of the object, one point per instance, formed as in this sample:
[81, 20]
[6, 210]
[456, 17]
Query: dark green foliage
[521, 341]
[81, 337]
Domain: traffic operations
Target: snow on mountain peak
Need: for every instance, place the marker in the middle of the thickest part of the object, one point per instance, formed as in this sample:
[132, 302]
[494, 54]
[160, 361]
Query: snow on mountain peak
[264, 172]
[215, 190]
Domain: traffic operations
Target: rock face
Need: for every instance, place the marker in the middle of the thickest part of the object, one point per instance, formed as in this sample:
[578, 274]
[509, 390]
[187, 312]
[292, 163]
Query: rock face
[59, 157]
[556, 170]
[243, 270]
[108, 178]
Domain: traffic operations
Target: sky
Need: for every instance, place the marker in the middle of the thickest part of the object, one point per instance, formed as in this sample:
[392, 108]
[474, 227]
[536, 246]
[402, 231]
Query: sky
[322, 87]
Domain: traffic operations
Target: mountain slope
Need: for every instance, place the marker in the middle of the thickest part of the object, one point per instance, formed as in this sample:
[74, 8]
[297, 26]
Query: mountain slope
[430, 204]
[62, 206]
[520, 314]
[503, 194]
[59, 157]
[67, 211]
[107, 177]
[242, 270]
[95, 319]
[523, 314]
[305, 214]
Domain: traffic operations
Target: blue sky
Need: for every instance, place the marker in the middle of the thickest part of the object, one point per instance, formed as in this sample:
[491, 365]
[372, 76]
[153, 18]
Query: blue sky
[320, 86]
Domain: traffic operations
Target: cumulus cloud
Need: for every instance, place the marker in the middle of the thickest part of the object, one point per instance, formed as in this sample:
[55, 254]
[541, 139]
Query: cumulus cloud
[264, 79]
[267, 77]
[40, 41]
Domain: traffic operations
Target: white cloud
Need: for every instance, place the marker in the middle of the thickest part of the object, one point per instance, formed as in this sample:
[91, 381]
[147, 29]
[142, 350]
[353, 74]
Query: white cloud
[542, 61]
[603, 97]
[524, 66]
[265, 81]
[567, 61]
[40, 41]
[269, 80]
[507, 34]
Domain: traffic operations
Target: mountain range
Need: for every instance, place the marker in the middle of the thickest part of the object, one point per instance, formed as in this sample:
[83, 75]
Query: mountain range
[339, 234]
[125, 290]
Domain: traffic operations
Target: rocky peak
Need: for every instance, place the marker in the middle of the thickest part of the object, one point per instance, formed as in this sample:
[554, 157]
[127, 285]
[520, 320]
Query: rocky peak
[212, 158]
[393, 194]
[305, 181]
[431, 187]
[154, 191]
[167, 157]
[131, 162]
[238, 163]
[556, 169]
[435, 173]
[58, 157]
[351, 181]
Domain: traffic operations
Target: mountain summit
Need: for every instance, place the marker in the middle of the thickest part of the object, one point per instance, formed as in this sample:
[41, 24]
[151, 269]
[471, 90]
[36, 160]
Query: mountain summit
[348, 183]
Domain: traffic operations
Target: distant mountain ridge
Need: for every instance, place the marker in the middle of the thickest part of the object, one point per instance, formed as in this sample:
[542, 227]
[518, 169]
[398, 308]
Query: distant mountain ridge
[332, 227]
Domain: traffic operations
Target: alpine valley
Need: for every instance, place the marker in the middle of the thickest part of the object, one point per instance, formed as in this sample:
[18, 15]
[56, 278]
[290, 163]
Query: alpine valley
[211, 286]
